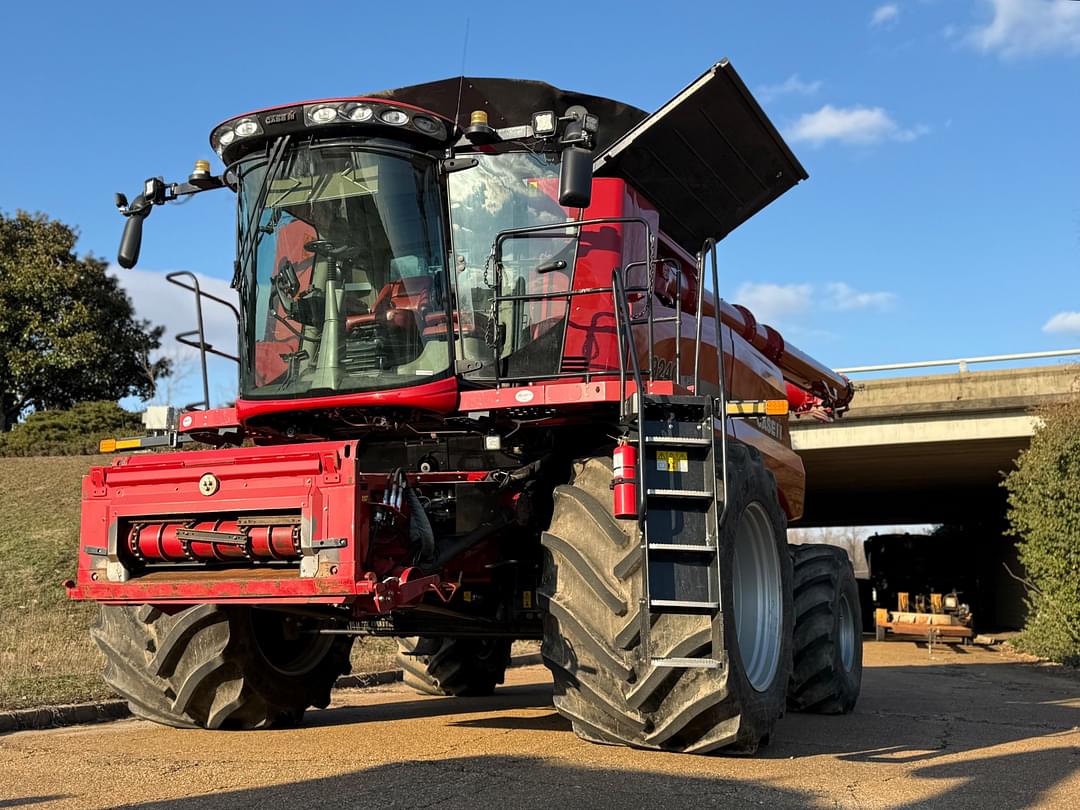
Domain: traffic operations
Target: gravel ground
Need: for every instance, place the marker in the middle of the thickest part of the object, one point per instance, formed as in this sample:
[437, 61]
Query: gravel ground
[964, 728]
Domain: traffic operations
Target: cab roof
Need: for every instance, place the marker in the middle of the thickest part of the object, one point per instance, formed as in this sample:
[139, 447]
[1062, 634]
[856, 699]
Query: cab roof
[708, 159]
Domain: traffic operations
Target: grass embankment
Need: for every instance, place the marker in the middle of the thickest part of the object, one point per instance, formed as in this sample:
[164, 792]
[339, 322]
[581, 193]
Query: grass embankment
[46, 655]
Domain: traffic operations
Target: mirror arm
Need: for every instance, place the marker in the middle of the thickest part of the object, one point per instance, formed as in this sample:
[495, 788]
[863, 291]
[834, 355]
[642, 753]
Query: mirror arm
[155, 192]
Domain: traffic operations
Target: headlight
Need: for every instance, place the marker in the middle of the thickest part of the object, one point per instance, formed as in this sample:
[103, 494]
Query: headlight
[227, 137]
[245, 127]
[429, 126]
[392, 116]
[323, 115]
[361, 112]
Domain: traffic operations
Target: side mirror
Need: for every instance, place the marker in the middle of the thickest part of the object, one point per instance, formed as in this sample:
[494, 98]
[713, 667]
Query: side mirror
[575, 177]
[131, 241]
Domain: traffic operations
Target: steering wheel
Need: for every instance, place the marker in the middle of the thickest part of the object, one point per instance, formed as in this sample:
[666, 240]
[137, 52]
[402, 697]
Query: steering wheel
[331, 250]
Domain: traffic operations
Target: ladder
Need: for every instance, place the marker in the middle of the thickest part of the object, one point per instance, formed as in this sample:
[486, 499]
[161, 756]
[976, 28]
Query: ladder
[680, 536]
[682, 480]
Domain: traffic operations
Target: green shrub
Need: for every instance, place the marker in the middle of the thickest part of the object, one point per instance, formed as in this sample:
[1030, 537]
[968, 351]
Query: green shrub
[1044, 512]
[71, 432]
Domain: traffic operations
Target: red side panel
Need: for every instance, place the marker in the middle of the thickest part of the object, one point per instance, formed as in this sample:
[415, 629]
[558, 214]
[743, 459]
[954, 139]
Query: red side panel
[318, 483]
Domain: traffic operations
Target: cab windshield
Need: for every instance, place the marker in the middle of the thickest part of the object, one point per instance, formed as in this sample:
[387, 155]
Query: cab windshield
[508, 326]
[344, 270]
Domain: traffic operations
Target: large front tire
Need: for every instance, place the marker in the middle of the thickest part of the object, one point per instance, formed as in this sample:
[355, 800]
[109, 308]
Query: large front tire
[592, 587]
[827, 674]
[218, 666]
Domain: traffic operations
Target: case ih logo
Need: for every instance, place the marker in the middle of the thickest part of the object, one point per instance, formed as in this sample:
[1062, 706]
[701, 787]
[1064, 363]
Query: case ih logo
[280, 118]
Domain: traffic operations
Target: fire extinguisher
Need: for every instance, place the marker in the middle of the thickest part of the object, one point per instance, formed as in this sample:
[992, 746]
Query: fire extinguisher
[624, 480]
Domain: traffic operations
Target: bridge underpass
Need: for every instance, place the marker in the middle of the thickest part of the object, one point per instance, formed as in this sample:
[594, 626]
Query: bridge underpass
[932, 449]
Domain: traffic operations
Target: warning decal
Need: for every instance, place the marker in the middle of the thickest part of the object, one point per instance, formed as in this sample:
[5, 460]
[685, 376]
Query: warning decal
[672, 461]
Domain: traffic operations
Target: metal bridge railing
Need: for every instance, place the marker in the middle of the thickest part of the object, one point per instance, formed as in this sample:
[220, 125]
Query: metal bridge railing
[962, 362]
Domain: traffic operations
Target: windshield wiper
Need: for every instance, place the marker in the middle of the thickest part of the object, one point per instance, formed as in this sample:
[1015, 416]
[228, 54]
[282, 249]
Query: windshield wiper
[252, 235]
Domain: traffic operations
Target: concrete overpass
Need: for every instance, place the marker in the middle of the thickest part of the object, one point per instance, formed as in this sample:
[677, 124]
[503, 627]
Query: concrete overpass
[927, 449]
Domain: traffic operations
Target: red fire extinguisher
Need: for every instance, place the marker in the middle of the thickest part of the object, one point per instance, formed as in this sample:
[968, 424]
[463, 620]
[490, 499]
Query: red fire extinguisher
[624, 480]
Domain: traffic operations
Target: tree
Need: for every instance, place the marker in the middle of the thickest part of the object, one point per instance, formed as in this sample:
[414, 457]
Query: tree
[68, 332]
[1044, 510]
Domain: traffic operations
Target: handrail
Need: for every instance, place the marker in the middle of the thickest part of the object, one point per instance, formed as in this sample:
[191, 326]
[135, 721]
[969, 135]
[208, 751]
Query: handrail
[199, 331]
[626, 345]
[962, 362]
[625, 339]
[708, 249]
[495, 260]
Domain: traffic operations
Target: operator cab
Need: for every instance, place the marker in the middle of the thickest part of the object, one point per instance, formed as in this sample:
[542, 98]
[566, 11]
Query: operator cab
[365, 241]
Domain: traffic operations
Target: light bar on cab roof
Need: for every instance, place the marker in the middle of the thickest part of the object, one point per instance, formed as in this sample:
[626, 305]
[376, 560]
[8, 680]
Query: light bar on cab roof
[370, 113]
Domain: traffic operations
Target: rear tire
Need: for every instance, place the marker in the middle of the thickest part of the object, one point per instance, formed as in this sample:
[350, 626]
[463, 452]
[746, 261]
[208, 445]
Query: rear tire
[827, 674]
[457, 667]
[217, 666]
[592, 586]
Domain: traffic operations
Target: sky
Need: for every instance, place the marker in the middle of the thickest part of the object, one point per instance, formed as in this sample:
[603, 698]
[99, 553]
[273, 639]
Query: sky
[941, 218]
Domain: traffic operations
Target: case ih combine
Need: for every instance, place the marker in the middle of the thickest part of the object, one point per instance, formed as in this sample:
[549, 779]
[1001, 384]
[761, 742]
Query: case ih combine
[485, 394]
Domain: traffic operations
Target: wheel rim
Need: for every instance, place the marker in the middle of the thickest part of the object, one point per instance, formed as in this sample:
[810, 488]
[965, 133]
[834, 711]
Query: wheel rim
[847, 634]
[290, 654]
[758, 603]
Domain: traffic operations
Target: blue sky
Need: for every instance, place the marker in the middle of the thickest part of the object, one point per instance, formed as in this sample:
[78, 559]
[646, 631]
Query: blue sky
[941, 218]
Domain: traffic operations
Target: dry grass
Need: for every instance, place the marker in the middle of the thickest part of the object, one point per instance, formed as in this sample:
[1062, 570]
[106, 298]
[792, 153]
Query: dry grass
[46, 655]
[372, 654]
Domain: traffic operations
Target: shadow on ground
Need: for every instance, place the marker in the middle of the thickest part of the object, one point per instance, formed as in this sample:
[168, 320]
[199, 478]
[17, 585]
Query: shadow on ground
[498, 782]
[506, 698]
[947, 722]
[941, 722]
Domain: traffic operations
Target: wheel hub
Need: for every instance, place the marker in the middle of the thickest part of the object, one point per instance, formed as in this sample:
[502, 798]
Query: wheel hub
[758, 602]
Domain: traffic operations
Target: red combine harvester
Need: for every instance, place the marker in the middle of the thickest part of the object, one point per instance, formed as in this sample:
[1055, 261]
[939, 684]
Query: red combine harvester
[485, 394]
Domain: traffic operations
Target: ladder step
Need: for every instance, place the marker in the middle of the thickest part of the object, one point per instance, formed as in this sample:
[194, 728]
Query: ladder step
[678, 441]
[682, 547]
[679, 604]
[678, 493]
[678, 399]
[688, 663]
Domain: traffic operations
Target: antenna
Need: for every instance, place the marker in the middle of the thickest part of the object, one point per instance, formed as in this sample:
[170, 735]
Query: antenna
[461, 80]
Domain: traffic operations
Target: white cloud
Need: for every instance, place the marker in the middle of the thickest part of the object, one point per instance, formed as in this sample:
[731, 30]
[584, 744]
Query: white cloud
[1063, 322]
[164, 304]
[792, 85]
[787, 305]
[887, 14]
[774, 303]
[860, 126]
[844, 297]
[1029, 27]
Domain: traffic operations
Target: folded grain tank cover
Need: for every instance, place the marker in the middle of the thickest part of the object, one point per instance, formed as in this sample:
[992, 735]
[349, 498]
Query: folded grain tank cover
[709, 159]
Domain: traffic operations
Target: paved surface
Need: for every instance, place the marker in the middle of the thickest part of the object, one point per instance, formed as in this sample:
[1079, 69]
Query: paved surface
[963, 729]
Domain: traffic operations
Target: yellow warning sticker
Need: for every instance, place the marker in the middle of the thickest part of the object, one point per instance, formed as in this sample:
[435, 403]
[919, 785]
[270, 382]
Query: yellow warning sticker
[671, 461]
[526, 599]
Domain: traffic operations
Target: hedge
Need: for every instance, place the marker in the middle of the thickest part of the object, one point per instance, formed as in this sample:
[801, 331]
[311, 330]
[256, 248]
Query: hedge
[1044, 513]
[71, 432]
